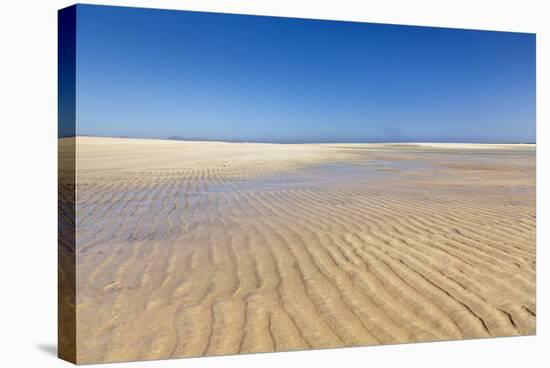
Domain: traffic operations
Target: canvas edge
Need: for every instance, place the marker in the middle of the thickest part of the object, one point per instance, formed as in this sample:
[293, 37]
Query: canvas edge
[66, 315]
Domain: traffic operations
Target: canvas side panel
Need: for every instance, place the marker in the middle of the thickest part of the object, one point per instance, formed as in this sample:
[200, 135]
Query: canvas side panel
[67, 184]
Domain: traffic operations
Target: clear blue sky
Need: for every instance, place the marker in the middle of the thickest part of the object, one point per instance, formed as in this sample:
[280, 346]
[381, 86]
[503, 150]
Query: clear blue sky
[156, 73]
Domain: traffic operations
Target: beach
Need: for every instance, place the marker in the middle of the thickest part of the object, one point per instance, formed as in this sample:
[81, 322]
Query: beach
[188, 249]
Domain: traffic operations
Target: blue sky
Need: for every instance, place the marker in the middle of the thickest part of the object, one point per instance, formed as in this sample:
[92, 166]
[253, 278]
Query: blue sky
[156, 73]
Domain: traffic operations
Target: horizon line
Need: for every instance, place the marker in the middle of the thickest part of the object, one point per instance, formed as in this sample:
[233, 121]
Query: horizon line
[371, 141]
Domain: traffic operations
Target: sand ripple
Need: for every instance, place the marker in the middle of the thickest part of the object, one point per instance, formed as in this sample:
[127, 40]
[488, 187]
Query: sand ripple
[327, 246]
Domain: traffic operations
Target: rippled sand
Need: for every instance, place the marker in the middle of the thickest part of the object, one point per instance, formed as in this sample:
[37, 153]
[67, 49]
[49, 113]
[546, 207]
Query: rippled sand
[201, 248]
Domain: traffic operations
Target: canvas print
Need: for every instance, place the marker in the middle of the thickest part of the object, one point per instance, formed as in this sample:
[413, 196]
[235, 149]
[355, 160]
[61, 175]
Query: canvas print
[234, 184]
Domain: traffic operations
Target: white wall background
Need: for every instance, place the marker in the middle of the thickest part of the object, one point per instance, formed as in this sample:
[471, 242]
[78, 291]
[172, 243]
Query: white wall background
[28, 202]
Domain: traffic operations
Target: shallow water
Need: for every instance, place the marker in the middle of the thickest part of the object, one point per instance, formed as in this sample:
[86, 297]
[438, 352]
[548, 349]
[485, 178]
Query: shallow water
[317, 176]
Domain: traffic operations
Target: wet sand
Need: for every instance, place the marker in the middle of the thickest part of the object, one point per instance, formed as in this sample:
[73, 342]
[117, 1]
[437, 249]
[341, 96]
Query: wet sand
[207, 248]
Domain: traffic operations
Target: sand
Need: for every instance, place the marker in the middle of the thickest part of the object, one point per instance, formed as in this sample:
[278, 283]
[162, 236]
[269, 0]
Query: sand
[205, 248]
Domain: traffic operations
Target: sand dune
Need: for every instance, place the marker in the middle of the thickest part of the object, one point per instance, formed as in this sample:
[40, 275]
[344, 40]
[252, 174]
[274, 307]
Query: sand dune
[205, 248]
